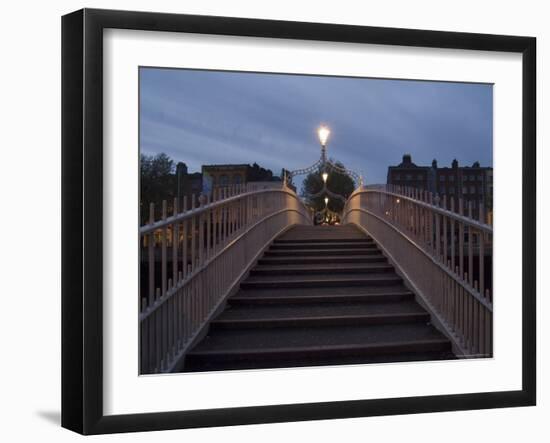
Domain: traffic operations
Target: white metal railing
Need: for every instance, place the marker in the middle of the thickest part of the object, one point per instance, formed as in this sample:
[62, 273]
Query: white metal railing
[444, 249]
[191, 260]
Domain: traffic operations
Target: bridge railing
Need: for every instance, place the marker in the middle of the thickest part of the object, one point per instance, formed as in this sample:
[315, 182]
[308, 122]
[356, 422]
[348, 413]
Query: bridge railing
[192, 258]
[443, 247]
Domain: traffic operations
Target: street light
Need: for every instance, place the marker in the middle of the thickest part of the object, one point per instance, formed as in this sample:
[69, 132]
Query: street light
[323, 133]
[325, 176]
[326, 201]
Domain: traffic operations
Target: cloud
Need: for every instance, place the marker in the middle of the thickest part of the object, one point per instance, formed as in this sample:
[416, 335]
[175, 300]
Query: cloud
[205, 117]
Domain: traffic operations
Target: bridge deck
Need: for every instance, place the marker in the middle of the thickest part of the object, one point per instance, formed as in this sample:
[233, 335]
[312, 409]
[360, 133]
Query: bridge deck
[319, 296]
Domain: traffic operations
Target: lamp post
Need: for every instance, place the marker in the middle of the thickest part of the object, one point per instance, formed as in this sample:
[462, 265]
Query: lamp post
[324, 167]
[323, 132]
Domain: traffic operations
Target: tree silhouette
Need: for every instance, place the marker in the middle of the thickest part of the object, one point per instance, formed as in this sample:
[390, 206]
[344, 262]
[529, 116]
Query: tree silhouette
[337, 182]
[157, 183]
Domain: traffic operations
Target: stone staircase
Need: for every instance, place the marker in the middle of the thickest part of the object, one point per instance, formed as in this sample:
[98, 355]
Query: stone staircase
[320, 295]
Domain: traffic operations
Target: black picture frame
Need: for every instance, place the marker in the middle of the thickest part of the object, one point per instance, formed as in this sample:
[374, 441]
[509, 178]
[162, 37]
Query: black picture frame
[82, 215]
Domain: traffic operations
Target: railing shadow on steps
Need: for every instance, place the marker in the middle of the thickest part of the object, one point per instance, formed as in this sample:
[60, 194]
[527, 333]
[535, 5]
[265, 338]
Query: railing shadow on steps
[441, 250]
[194, 259]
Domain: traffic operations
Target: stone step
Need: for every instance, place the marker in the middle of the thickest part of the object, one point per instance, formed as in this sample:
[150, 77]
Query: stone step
[324, 252]
[316, 343]
[305, 281]
[335, 320]
[332, 269]
[324, 245]
[322, 240]
[290, 260]
[257, 298]
[206, 365]
[320, 314]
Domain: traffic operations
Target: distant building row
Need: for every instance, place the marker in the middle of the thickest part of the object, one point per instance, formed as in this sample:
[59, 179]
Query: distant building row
[220, 176]
[471, 183]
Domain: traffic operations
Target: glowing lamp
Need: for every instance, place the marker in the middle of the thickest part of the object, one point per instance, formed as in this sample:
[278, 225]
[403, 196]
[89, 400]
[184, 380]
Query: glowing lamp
[323, 133]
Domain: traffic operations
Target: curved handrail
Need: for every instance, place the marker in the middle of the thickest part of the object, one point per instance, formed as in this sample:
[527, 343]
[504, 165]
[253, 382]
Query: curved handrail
[147, 228]
[193, 260]
[485, 227]
[151, 308]
[441, 252]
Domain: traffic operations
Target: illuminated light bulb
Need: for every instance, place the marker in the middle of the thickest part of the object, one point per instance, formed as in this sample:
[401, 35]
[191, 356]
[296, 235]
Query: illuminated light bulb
[323, 132]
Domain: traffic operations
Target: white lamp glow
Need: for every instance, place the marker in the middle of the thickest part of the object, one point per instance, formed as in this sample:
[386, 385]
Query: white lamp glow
[326, 200]
[323, 133]
[325, 176]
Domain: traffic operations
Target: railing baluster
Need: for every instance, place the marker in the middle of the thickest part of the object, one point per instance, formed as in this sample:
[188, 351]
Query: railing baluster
[175, 241]
[164, 259]
[208, 230]
[185, 235]
[151, 257]
[437, 232]
[445, 222]
[461, 239]
[481, 252]
[193, 236]
[470, 247]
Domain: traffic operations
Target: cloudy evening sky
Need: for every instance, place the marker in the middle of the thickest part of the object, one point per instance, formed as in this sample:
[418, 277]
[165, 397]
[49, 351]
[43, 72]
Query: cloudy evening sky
[212, 117]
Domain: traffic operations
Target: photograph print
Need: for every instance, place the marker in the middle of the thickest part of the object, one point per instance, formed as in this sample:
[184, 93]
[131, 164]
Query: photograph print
[301, 220]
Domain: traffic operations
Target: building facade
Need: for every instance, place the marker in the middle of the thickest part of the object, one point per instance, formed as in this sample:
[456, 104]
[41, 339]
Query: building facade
[469, 183]
[411, 175]
[220, 176]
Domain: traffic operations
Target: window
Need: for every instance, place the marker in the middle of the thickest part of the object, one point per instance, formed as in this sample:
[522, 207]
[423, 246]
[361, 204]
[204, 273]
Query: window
[408, 177]
[420, 177]
[472, 189]
[451, 178]
[397, 177]
[472, 178]
[441, 178]
[452, 190]
[237, 179]
[464, 189]
[224, 180]
[480, 177]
